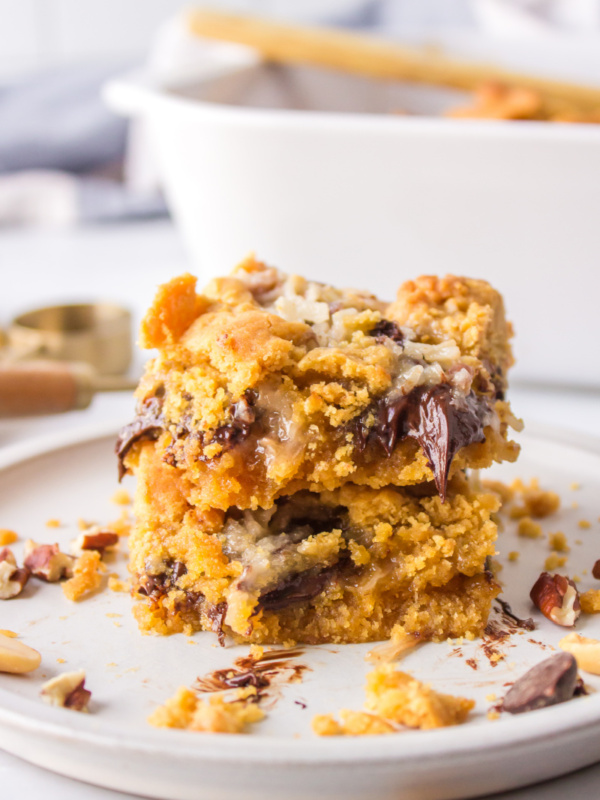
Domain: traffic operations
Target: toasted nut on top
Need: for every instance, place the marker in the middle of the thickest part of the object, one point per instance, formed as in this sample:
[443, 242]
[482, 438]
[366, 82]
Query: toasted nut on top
[47, 562]
[67, 691]
[16, 657]
[557, 598]
[586, 651]
[94, 539]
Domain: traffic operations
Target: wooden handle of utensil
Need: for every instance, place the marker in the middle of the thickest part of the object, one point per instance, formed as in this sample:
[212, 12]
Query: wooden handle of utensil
[43, 387]
[373, 57]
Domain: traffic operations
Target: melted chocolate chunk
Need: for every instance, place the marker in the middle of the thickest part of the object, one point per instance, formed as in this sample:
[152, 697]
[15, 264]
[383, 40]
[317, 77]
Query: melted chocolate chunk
[297, 588]
[551, 682]
[526, 624]
[147, 425]
[216, 615]
[155, 586]
[385, 328]
[441, 423]
[243, 415]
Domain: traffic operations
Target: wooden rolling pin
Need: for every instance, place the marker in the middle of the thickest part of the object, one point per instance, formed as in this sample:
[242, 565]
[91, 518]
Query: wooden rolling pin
[47, 387]
[376, 58]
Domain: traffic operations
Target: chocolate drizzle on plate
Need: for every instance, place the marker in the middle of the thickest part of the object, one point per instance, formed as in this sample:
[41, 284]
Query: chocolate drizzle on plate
[441, 422]
[262, 672]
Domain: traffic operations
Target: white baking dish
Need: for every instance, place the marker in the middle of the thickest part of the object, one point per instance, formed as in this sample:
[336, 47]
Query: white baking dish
[371, 199]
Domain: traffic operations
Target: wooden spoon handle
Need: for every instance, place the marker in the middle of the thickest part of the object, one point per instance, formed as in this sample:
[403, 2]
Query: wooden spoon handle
[373, 57]
[44, 387]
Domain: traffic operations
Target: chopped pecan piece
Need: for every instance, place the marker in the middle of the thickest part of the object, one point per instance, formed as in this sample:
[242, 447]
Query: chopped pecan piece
[45, 561]
[67, 691]
[12, 579]
[557, 598]
[6, 554]
[94, 539]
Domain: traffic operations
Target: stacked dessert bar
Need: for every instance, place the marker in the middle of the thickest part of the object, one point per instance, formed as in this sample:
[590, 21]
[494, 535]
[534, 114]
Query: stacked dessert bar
[302, 457]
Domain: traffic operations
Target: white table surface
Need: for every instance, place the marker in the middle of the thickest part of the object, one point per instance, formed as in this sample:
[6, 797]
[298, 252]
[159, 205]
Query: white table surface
[124, 263]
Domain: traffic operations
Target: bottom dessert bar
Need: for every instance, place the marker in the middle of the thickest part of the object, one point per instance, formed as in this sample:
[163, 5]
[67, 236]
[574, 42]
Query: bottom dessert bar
[338, 566]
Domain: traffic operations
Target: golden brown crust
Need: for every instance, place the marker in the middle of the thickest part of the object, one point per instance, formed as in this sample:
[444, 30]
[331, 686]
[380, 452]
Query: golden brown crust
[469, 311]
[216, 348]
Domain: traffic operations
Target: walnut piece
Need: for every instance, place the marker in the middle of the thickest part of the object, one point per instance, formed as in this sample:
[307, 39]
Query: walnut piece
[67, 691]
[586, 651]
[46, 562]
[16, 657]
[557, 598]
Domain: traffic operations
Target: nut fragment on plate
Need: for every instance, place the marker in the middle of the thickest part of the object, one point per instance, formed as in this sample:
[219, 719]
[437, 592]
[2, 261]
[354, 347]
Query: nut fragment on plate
[596, 570]
[586, 651]
[12, 578]
[67, 691]
[94, 539]
[557, 598]
[47, 562]
[17, 657]
[551, 682]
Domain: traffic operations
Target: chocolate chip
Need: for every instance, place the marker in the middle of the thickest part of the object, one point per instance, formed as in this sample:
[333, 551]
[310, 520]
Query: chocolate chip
[156, 585]
[551, 682]
[386, 329]
[179, 569]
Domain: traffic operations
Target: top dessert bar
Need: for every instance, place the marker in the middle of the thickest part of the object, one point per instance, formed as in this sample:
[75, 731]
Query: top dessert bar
[268, 384]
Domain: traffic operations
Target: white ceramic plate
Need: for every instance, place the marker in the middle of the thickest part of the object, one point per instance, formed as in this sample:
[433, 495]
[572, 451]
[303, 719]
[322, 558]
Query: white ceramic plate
[129, 674]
